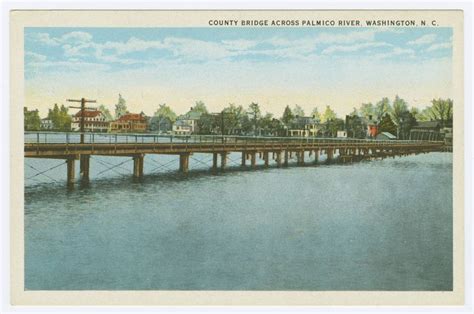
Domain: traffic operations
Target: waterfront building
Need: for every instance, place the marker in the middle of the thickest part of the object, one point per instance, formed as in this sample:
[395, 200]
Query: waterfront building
[303, 127]
[160, 124]
[94, 121]
[187, 123]
[342, 134]
[129, 123]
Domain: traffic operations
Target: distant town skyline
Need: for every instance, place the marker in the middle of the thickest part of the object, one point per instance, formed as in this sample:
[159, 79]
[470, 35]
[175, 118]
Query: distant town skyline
[275, 67]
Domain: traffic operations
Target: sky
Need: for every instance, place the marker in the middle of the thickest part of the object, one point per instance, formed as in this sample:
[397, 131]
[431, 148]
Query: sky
[275, 67]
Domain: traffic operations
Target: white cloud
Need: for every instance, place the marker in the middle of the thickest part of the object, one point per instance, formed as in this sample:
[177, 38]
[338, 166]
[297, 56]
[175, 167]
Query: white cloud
[423, 40]
[397, 51]
[45, 39]
[34, 57]
[76, 37]
[355, 47]
[349, 38]
[446, 45]
[239, 44]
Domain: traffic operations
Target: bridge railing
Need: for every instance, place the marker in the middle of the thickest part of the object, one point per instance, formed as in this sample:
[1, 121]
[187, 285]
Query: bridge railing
[33, 137]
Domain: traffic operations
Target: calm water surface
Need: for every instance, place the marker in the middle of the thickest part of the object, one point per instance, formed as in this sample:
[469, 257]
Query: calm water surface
[379, 225]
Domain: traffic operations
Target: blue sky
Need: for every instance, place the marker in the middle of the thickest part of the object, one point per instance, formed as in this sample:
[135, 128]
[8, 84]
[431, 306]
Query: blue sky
[275, 67]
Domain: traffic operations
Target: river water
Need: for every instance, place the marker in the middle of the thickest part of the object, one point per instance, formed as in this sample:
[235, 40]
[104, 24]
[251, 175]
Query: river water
[375, 225]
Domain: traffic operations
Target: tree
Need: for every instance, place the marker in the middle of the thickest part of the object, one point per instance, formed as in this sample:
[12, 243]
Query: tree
[32, 121]
[199, 107]
[386, 125]
[382, 107]
[106, 112]
[120, 107]
[408, 122]
[328, 115]
[441, 110]
[232, 118]
[60, 118]
[399, 111]
[331, 127]
[165, 111]
[254, 111]
[316, 115]
[288, 116]
[354, 126]
[367, 110]
[298, 111]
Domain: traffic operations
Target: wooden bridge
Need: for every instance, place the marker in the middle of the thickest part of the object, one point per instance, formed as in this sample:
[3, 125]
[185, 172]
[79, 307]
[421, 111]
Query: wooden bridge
[80, 146]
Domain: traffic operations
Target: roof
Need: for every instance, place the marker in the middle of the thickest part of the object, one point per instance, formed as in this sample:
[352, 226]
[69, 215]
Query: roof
[132, 117]
[389, 135]
[427, 125]
[88, 113]
[191, 115]
[182, 123]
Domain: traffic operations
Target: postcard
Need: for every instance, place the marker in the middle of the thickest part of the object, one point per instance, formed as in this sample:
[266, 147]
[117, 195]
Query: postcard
[263, 157]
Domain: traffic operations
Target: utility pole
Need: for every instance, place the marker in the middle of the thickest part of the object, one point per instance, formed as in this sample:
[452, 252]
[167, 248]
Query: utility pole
[83, 108]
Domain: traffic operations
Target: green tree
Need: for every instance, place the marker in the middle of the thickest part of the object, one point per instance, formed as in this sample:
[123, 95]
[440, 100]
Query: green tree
[328, 115]
[367, 109]
[399, 110]
[233, 118]
[316, 115]
[298, 111]
[255, 113]
[120, 107]
[60, 118]
[288, 116]
[32, 121]
[165, 111]
[199, 107]
[106, 112]
[382, 107]
[441, 110]
[386, 125]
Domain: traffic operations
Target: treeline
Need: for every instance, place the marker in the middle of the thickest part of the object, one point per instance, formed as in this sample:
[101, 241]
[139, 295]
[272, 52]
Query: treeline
[396, 117]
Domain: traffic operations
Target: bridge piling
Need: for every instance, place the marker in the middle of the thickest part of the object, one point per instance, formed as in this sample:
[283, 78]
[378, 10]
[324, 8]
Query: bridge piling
[265, 158]
[300, 158]
[316, 156]
[184, 163]
[285, 162]
[84, 166]
[223, 160]
[214, 162]
[138, 165]
[278, 159]
[71, 171]
[244, 158]
[253, 159]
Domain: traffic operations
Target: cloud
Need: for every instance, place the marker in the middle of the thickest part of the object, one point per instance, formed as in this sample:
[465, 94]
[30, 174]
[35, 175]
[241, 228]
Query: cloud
[45, 39]
[239, 44]
[349, 38]
[76, 37]
[446, 45]
[423, 40]
[34, 57]
[356, 47]
[397, 51]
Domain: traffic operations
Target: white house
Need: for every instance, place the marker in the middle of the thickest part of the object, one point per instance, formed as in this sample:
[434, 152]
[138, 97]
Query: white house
[94, 121]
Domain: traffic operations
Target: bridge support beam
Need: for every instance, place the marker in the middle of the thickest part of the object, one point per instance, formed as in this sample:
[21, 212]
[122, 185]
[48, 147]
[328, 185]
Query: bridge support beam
[300, 158]
[138, 165]
[184, 163]
[84, 167]
[253, 159]
[278, 159]
[244, 158]
[330, 154]
[71, 171]
[316, 156]
[285, 161]
[265, 158]
[223, 160]
[214, 162]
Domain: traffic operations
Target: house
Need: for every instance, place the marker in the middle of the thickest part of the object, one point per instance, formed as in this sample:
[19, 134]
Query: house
[94, 121]
[372, 126]
[342, 134]
[187, 123]
[182, 127]
[129, 123]
[46, 124]
[386, 136]
[426, 131]
[303, 127]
